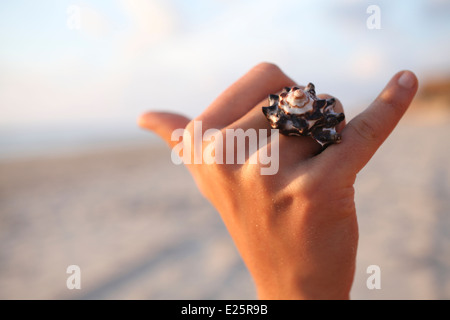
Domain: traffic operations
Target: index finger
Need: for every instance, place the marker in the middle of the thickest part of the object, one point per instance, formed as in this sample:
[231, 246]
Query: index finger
[244, 94]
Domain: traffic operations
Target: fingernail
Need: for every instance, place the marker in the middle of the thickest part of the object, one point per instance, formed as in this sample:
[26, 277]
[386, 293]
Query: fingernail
[407, 80]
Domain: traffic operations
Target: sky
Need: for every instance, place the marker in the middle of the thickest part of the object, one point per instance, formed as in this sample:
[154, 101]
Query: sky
[72, 72]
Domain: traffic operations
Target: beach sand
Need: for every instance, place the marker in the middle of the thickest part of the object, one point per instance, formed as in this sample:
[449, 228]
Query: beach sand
[139, 229]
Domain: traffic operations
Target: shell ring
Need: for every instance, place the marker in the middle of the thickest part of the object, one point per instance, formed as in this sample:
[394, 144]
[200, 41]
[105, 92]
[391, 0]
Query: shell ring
[298, 112]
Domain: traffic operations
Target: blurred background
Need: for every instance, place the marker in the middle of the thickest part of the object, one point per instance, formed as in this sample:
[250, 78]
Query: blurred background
[81, 184]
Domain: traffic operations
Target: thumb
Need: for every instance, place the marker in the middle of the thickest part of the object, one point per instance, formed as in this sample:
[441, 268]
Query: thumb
[364, 134]
[163, 124]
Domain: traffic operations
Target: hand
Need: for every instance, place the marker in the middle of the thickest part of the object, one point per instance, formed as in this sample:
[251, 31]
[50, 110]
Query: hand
[296, 230]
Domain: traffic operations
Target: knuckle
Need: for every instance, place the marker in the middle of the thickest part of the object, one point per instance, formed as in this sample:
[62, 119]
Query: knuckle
[190, 127]
[267, 67]
[394, 106]
[366, 129]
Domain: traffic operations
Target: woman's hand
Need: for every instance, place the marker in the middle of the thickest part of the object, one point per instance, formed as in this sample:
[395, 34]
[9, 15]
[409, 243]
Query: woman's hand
[296, 230]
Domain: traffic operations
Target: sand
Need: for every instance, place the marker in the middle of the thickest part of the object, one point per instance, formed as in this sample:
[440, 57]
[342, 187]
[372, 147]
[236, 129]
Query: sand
[139, 229]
